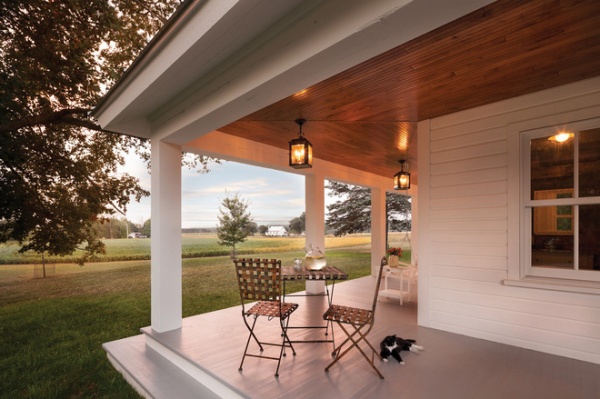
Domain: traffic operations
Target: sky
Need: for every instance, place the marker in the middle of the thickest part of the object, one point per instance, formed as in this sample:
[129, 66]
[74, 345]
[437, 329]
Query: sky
[274, 197]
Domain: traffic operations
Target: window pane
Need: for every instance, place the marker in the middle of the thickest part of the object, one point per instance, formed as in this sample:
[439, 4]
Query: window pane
[589, 237]
[552, 239]
[553, 220]
[561, 259]
[589, 163]
[551, 164]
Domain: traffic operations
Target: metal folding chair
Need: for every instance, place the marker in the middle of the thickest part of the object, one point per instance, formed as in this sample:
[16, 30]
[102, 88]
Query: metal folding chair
[260, 280]
[361, 321]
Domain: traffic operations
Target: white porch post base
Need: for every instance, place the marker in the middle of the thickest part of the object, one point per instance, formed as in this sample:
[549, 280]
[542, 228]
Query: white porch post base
[315, 287]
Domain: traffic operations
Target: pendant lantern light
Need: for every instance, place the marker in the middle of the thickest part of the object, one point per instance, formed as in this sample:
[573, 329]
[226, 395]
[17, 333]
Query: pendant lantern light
[300, 150]
[402, 178]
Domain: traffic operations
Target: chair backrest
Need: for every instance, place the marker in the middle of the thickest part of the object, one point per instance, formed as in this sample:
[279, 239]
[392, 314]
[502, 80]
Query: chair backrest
[378, 283]
[259, 280]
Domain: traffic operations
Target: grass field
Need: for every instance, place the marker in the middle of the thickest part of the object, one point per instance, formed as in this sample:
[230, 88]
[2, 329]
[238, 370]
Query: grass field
[52, 330]
[193, 246]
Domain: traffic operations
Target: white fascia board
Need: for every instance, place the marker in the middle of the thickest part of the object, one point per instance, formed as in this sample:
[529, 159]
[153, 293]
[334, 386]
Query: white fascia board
[205, 35]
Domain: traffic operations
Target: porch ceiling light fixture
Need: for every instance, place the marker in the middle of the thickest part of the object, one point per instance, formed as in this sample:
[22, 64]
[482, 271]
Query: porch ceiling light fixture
[402, 178]
[561, 137]
[301, 153]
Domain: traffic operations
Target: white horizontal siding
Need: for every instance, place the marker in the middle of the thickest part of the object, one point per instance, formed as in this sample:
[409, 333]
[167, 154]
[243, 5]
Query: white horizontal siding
[471, 249]
[472, 201]
[468, 152]
[470, 261]
[460, 189]
[466, 165]
[538, 298]
[547, 340]
[465, 225]
[446, 138]
[557, 312]
[468, 177]
[469, 211]
[477, 237]
[467, 230]
[470, 272]
[519, 320]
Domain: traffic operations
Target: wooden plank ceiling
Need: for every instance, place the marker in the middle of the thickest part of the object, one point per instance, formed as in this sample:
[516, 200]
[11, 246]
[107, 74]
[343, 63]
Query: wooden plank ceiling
[366, 117]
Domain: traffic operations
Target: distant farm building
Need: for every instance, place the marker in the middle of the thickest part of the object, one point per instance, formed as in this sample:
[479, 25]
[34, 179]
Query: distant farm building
[276, 231]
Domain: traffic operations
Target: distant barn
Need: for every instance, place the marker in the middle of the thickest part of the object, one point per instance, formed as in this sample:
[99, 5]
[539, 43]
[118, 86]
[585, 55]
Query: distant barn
[276, 231]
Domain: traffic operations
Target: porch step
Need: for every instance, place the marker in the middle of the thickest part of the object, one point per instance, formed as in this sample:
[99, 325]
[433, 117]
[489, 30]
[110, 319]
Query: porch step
[151, 374]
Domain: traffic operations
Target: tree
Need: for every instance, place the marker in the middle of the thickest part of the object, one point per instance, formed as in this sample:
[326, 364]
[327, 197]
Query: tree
[57, 55]
[57, 165]
[298, 225]
[398, 212]
[352, 214]
[251, 228]
[147, 228]
[112, 227]
[262, 229]
[233, 222]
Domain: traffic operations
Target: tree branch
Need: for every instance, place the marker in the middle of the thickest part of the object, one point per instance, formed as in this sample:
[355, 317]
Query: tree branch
[48, 118]
[84, 123]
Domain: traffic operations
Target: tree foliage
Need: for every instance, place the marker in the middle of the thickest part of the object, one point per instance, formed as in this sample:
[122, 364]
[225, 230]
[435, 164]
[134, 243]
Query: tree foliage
[147, 228]
[262, 229]
[58, 168]
[233, 221]
[251, 228]
[352, 213]
[114, 228]
[58, 56]
[298, 224]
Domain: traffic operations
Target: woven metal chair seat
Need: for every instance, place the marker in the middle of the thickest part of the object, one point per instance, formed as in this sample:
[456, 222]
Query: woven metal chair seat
[271, 309]
[345, 314]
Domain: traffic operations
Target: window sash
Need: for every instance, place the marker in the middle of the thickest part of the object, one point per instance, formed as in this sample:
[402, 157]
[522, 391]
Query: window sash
[530, 205]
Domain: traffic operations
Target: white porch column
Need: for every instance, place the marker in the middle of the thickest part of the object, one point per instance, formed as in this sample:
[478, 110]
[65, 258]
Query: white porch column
[378, 228]
[315, 221]
[166, 291]
[414, 234]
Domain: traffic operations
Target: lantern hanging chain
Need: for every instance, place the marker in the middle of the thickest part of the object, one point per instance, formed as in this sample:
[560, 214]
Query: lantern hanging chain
[300, 122]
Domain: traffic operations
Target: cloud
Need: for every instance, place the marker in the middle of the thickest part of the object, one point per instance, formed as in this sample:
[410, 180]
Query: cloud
[275, 197]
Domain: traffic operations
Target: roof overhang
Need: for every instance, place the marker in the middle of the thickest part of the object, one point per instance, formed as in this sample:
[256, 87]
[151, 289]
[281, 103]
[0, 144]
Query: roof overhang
[220, 60]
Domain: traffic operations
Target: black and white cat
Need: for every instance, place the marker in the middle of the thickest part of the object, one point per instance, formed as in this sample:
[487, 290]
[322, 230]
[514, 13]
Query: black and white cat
[391, 345]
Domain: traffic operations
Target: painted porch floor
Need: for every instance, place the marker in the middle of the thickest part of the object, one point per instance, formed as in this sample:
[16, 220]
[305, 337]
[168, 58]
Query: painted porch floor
[452, 365]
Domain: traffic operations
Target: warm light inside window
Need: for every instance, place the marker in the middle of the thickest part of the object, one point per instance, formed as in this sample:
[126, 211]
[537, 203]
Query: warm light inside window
[561, 137]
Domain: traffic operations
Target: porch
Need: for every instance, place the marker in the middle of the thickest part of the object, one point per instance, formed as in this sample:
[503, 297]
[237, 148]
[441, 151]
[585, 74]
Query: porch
[209, 347]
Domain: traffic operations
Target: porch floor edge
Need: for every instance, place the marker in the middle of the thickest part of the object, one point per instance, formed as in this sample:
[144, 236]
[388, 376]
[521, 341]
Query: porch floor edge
[152, 375]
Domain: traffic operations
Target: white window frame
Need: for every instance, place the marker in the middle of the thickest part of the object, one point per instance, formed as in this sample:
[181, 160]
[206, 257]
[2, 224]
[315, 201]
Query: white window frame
[527, 205]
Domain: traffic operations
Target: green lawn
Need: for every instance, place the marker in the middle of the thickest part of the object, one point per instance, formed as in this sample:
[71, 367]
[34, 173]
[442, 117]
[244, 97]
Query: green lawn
[52, 330]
